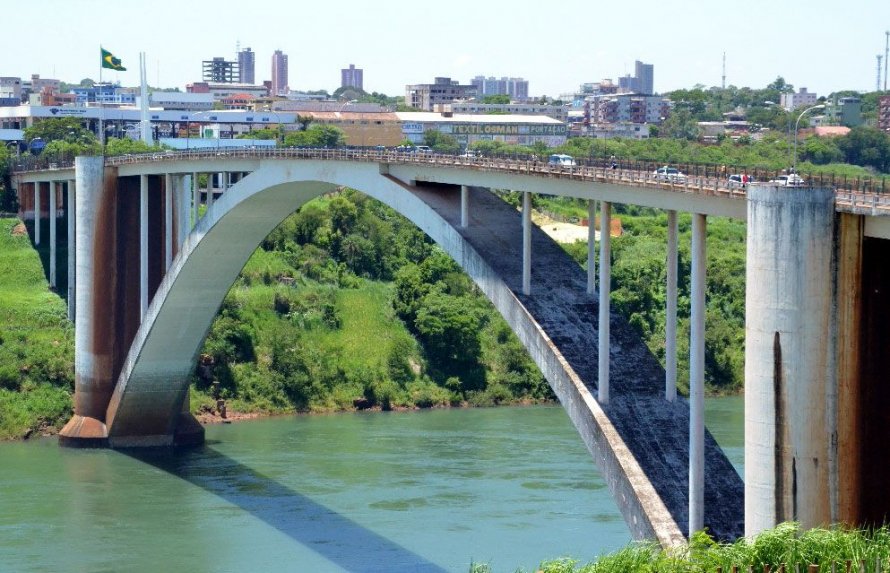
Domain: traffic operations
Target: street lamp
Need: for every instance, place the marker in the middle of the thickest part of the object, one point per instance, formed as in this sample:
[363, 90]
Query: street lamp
[796, 124]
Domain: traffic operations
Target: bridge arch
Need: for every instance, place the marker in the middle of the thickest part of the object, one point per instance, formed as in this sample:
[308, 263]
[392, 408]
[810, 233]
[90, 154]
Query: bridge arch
[146, 403]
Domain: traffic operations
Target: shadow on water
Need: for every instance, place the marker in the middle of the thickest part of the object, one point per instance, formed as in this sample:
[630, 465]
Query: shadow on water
[338, 539]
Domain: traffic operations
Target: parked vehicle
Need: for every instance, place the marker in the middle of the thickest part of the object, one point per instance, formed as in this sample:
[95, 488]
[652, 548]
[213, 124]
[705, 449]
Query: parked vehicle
[423, 149]
[560, 160]
[671, 174]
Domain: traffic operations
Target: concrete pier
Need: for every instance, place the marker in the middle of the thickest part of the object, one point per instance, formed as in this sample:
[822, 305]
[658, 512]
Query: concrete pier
[788, 356]
[591, 247]
[53, 210]
[464, 206]
[697, 374]
[70, 209]
[605, 293]
[37, 212]
[93, 333]
[670, 322]
[526, 243]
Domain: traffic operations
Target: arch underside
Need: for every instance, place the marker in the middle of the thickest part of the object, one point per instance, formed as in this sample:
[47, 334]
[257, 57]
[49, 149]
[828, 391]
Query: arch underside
[639, 440]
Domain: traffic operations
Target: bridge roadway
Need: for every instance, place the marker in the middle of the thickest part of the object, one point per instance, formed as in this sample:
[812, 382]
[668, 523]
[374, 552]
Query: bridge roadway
[655, 431]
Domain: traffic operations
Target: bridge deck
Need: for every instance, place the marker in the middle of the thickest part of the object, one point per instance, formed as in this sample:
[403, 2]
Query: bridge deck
[656, 431]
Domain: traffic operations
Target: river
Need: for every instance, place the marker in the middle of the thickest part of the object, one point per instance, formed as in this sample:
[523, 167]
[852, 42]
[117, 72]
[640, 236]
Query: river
[418, 491]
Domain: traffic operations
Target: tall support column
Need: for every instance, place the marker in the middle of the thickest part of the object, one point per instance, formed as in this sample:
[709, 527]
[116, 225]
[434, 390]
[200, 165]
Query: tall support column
[143, 246]
[196, 199]
[788, 356]
[37, 213]
[464, 206]
[72, 248]
[697, 374]
[53, 189]
[591, 247]
[168, 221]
[182, 190]
[605, 291]
[670, 326]
[93, 346]
[526, 243]
[210, 188]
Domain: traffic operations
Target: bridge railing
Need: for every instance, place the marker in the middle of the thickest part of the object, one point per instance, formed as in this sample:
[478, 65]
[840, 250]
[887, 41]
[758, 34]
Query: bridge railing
[860, 194]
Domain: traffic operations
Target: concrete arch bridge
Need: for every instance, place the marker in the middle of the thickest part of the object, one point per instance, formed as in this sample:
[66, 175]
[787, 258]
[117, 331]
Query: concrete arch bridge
[151, 275]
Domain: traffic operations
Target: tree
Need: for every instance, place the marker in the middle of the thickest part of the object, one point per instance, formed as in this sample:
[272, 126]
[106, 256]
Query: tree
[68, 129]
[866, 146]
[440, 142]
[316, 136]
[681, 125]
[497, 98]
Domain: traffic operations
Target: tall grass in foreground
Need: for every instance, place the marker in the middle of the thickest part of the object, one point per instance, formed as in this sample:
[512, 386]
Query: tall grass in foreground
[785, 545]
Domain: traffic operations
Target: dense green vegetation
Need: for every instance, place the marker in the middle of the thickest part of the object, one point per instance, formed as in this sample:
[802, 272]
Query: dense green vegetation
[786, 544]
[639, 274]
[348, 305]
[36, 341]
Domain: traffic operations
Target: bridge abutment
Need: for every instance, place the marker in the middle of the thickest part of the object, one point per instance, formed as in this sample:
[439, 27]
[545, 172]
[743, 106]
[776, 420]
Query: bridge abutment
[788, 356]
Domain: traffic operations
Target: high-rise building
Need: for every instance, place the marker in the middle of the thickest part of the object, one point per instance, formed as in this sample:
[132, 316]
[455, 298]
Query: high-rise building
[884, 113]
[443, 90]
[247, 65]
[220, 70]
[279, 73]
[351, 77]
[645, 77]
[516, 88]
[639, 83]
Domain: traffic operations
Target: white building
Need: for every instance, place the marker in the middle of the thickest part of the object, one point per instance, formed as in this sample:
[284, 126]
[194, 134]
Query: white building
[467, 129]
[800, 99]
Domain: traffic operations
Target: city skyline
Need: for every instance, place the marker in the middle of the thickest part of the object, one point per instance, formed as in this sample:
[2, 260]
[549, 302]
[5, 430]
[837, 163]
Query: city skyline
[829, 55]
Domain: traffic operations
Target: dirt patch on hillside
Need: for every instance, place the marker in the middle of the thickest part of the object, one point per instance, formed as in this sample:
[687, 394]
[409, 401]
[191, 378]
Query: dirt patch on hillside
[19, 230]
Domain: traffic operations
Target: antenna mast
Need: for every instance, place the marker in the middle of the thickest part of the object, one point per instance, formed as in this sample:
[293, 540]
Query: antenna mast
[878, 84]
[886, 56]
[724, 70]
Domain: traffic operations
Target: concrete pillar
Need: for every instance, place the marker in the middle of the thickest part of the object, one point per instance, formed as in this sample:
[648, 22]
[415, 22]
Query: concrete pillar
[697, 374]
[93, 342]
[526, 243]
[605, 290]
[182, 189]
[53, 188]
[196, 199]
[143, 246]
[72, 248]
[464, 206]
[591, 247]
[670, 323]
[788, 348]
[168, 221]
[37, 213]
[209, 201]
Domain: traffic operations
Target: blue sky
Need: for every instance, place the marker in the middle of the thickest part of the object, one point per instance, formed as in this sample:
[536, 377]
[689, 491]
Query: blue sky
[823, 45]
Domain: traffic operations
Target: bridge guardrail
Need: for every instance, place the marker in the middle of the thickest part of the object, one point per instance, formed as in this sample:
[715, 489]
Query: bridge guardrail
[862, 197]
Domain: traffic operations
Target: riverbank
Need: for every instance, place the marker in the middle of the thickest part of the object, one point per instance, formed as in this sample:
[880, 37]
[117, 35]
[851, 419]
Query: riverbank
[36, 341]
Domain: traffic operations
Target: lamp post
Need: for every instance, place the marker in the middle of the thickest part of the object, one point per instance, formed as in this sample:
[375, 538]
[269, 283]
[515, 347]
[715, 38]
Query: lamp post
[796, 124]
[343, 106]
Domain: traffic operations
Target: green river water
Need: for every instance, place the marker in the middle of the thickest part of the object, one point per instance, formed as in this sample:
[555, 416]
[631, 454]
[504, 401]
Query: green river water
[418, 491]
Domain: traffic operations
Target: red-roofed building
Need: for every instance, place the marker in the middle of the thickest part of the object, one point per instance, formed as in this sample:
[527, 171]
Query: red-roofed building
[238, 101]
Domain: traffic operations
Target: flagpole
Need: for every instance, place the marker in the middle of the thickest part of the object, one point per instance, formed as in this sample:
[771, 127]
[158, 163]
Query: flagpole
[101, 112]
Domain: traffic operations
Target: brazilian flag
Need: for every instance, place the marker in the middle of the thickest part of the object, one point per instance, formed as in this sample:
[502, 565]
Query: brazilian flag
[110, 62]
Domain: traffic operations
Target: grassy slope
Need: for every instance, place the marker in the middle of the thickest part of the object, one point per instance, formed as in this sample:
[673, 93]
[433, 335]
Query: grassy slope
[36, 341]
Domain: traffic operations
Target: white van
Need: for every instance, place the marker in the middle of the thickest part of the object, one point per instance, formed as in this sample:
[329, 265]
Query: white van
[561, 160]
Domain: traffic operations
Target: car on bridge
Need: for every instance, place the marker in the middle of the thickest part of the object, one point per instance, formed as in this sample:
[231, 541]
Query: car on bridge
[560, 160]
[671, 174]
[792, 180]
